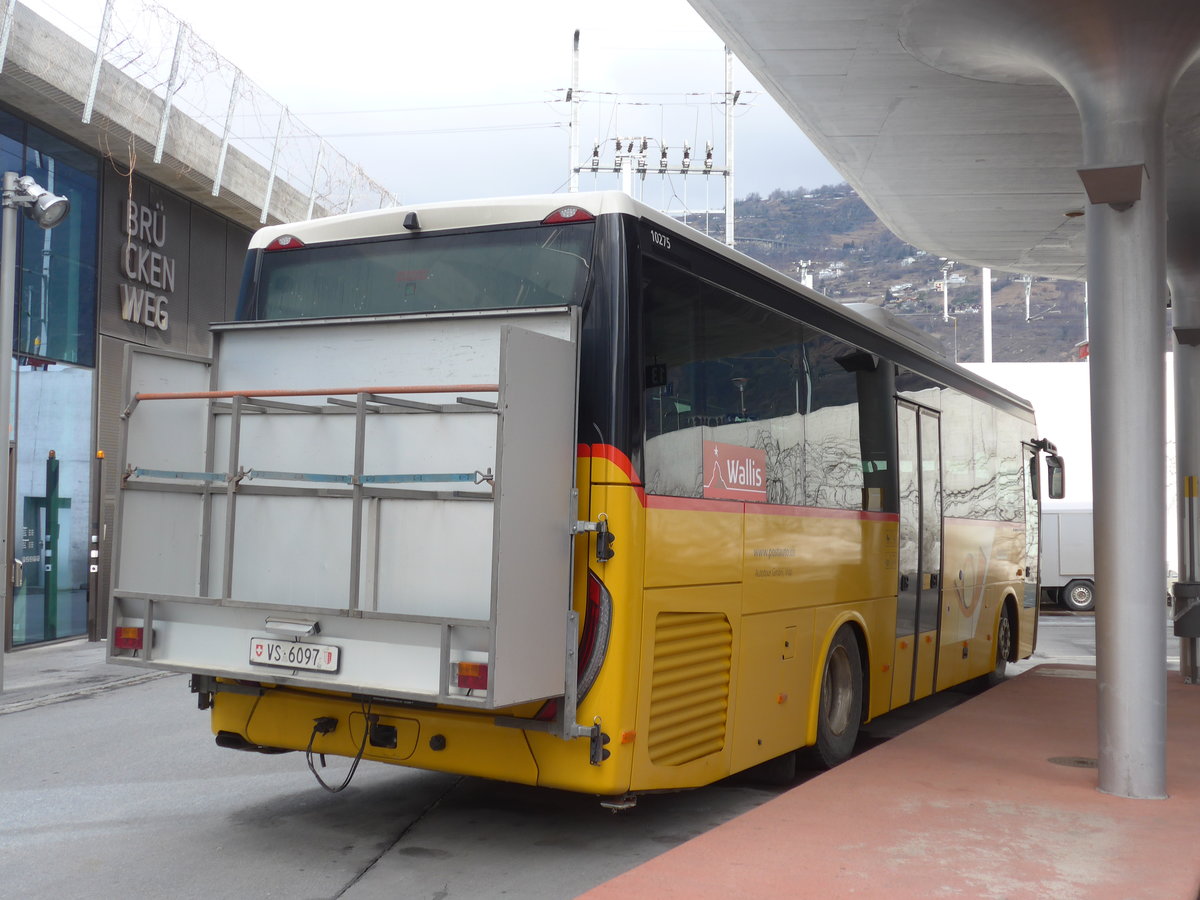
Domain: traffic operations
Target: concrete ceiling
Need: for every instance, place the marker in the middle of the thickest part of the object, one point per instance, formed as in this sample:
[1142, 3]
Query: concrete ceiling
[948, 118]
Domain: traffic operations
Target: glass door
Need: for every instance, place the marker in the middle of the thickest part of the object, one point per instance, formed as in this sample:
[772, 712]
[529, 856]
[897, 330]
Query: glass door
[51, 500]
[918, 432]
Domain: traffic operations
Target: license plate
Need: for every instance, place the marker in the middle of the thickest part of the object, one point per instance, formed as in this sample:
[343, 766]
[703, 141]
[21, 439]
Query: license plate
[293, 655]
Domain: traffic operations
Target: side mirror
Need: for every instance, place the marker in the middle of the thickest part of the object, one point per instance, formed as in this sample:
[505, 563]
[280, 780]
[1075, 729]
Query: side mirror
[1057, 476]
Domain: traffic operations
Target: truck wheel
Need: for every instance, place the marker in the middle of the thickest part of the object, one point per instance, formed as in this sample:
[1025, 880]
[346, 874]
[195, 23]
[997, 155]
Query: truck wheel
[840, 713]
[1079, 595]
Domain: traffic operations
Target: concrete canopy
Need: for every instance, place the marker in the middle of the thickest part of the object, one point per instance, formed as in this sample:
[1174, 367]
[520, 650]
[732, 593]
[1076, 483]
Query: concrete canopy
[946, 117]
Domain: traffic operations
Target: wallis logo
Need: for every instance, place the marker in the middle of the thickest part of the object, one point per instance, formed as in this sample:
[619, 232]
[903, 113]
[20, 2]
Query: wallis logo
[734, 473]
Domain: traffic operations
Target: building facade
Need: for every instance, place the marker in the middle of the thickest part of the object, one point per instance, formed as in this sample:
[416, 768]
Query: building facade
[163, 203]
[133, 263]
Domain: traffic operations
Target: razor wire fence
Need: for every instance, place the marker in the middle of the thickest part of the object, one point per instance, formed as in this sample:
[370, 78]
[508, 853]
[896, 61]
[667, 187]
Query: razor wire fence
[162, 74]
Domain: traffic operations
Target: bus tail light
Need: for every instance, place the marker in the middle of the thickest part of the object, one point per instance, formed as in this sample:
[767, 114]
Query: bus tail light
[471, 675]
[566, 214]
[286, 242]
[593, 643]
[128, 637]
[593, 636]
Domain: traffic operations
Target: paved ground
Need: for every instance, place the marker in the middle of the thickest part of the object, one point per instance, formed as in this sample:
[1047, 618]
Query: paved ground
[111, 786]
[40, 675]
[966, 804]
[995, 798]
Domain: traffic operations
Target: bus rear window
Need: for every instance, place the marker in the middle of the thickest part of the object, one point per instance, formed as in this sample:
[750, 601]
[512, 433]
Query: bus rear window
[535, 266]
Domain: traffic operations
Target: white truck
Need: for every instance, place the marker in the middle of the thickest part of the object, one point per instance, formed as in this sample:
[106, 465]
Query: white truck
[1068, 563]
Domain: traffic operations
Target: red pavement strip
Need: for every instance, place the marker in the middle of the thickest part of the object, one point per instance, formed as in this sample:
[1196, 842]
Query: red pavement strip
[965, 805]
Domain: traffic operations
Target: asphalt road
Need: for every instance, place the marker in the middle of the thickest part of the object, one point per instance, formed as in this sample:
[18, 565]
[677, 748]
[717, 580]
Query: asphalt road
[1065, 637]
[122, 793]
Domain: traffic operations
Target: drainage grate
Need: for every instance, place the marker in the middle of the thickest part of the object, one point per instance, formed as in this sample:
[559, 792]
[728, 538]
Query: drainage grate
[1074, 762]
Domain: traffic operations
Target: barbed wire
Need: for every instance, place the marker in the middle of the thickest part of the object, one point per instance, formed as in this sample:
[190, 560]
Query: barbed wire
[164, 60]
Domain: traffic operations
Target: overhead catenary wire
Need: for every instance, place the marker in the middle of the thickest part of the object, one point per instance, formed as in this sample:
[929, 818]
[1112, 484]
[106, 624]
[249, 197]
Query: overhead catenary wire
[465, 129]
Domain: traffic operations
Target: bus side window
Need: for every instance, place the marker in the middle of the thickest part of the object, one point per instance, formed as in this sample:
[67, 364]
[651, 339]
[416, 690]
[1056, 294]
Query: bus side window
[719, 370]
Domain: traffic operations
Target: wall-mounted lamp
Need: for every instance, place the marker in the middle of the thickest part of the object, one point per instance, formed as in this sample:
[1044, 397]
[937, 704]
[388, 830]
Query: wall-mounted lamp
[43, 207]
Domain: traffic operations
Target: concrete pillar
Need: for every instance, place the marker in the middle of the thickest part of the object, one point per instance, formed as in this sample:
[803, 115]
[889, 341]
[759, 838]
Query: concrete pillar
[1126, 272]
[1121, 76]
[1119, 61]
[1125, 175]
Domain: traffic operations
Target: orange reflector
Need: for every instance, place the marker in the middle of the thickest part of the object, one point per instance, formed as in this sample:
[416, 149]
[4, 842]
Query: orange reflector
[904, 645]
[471, 675]
[127, 637]
[782, 698]
[628, 736]
[885, 668]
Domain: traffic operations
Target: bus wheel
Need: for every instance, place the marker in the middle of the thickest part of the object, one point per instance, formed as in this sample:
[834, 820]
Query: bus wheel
[840, 713]
[1079, 595]
[1004, 646]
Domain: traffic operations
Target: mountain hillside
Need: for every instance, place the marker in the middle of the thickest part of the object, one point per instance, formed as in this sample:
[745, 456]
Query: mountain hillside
[831, 234]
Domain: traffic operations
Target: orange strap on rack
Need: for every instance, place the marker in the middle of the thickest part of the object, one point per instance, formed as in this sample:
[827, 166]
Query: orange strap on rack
[401, 389]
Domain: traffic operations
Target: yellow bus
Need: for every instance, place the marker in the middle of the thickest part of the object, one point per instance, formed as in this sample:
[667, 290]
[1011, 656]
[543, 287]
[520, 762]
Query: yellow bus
[558, 491]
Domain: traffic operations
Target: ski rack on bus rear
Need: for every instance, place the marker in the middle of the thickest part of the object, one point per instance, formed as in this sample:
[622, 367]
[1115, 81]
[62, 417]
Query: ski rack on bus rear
[408, 541]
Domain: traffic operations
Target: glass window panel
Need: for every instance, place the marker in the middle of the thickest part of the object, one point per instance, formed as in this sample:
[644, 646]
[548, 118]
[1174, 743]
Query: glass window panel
[56, 309]
[918, 388]
[721, 370]
[972, 482]
[1011, 432]
[543, 266]
[833, 468]
[12, 135]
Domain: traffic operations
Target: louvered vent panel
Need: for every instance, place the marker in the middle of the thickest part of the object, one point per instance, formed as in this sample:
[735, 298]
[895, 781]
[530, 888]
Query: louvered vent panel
[689, 694]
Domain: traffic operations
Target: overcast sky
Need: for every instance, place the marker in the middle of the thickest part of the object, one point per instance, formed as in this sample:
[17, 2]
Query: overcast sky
[464, 98]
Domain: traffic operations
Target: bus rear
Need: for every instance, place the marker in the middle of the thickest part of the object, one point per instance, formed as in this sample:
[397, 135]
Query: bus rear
[566, 495]
[356, 526]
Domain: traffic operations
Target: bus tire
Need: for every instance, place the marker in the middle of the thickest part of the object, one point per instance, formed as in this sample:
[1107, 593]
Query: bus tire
[1006, 635]
[840, 712]
[1079, 595]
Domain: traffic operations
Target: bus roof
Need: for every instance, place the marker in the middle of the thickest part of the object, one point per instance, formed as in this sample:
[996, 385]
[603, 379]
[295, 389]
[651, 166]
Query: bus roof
[450, 215]
[490, 212]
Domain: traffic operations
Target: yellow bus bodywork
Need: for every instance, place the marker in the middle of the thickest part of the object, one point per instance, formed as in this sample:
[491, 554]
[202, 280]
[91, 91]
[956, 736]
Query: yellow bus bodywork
[723, 614]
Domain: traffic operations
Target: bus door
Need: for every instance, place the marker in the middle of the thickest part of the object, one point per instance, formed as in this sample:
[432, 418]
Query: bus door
[920, 552]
